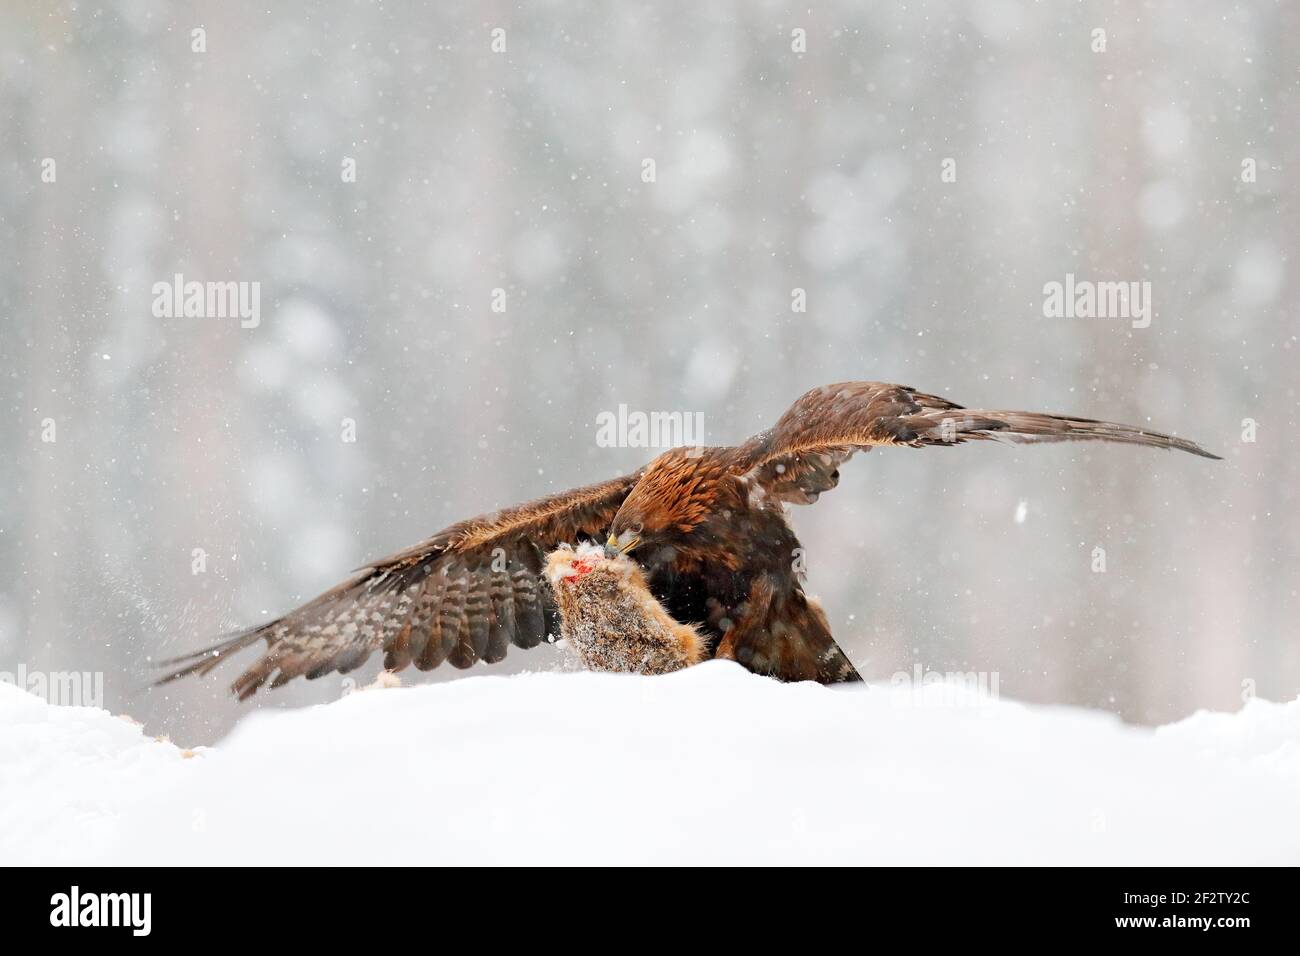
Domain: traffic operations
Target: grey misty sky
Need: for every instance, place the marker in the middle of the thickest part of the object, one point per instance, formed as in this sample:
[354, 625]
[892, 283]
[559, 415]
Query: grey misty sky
[774, 171]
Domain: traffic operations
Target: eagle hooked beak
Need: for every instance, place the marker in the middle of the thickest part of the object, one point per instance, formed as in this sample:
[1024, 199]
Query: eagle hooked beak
[621, 544]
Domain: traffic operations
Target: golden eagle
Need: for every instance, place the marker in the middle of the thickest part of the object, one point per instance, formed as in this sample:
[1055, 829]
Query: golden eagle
[707, 526]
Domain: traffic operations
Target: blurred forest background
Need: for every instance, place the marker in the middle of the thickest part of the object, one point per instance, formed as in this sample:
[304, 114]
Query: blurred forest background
[775, 170]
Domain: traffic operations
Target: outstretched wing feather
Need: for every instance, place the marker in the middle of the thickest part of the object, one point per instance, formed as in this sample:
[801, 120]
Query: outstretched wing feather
[463, 595]
[797, 459]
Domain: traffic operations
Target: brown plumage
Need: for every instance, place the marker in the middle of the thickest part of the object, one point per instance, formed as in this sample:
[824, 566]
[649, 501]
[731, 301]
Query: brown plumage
[610, 618]
[707, 527]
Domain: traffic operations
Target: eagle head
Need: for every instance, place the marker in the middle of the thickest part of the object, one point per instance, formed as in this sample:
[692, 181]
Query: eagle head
[678, 491]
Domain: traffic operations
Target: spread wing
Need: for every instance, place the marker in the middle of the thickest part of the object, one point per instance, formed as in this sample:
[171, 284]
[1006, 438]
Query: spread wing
[461, 596]
[799, 457]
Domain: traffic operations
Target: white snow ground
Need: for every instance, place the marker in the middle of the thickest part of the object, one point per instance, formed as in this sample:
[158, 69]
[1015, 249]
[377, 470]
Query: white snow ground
[708, 765]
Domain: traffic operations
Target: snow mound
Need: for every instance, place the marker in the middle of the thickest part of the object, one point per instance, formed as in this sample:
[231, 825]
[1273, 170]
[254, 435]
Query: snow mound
[708, 765]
